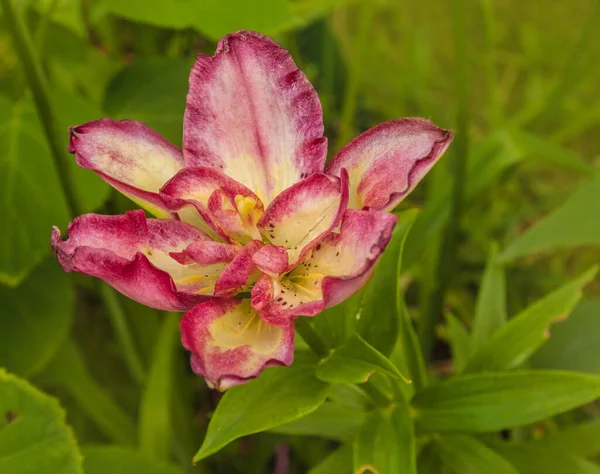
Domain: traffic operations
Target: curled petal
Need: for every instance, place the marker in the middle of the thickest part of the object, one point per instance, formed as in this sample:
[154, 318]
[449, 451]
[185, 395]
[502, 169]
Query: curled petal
[206, 252]
[386, 162]
[132, 254]
[210, 200]
[271, 259]
[336, 269]
[252, 114]
[230, 344]
[239, 272]
[129, 156]
[304, 213]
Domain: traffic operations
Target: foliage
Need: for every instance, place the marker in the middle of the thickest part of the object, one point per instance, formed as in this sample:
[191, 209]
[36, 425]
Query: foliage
[485, 300]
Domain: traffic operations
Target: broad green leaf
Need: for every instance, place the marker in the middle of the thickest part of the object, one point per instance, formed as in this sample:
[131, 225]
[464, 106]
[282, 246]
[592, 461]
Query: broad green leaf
[330, 420]
[119, 460]
[350, 396]
[32, 200]
[460, 341]
[573, 343]
[582, 439]
[386, 443]
[516, 341]
[338, 323]
[354, 362]
[155, 427]
[490, 310]
[213, 18]
[378, 323]
[279, 396]
[64, 12]
[159, 102]
[466, 455]
[339, 462]
[33, 435]
[571, 225]
[35, 318]
[68, 368]
[497, 401]
[429, 461]
[533, 459]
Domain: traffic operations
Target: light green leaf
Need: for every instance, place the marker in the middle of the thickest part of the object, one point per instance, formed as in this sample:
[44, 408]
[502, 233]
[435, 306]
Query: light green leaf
[460, 341]
[582, 439]
[35, 318]
[466, 455]
[573, 343]
[212, 18]
[496, 401]
[378, 323]
[330, 420]
[154, 429]
[119, 460]
[354, 362]
[279, 396]
[516, 341]
[340, 462]
[490, 310]
[33, 435]
[571, 225]
[386, 443]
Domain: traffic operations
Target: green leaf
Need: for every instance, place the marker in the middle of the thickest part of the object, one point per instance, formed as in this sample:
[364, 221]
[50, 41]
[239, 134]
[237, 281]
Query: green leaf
[496, 401]
[460, 341]
[158, 102]
[571, 225]
[32, 199]
[573, 343]
[35, 318]
[330, 420]
[154, 429]
[533, 459]
[490, 310]
[119, 460]
[33, 435]
[516, 341]
[212, 18]
[354, 362]
[582, 439]
[386, 443]
[466, 455]
[340, 462]
[378, 323]
[338, 323]
[279, 396]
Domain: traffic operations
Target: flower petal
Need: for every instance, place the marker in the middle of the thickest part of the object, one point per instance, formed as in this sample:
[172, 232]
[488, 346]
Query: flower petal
[386, 162]
[132, 254]
[221, 204]
[336, 269]
[271, 259]
[252, 114]
[129, 156]
[230, 344]
[304, 213]
[239, 272]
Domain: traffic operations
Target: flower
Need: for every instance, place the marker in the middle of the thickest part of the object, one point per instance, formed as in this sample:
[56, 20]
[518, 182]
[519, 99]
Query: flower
[248, 205]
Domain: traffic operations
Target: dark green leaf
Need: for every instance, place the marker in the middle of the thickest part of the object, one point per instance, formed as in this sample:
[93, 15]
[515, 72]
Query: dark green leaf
[34, 438]
[466, 455]
[338, 323]
[516, 341]
[279, 396]
[35, 318]
[340, 462]
[582, 439]
[354, 362]
[119, 460]
[496, 401]
[460, 341]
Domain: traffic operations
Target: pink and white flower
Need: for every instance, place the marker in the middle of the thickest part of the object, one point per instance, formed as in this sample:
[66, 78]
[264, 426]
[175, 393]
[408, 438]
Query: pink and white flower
[247, 206]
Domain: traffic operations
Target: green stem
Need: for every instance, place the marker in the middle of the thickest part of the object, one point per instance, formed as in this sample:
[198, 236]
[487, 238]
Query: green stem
[460, 148]
[118, 319]
[311, 337]
[35, 79]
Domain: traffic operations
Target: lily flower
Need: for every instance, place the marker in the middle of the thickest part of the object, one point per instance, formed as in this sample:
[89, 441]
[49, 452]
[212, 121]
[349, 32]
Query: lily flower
[247, 207]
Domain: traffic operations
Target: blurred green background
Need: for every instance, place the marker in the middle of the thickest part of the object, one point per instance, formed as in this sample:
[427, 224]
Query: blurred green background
[518, 81]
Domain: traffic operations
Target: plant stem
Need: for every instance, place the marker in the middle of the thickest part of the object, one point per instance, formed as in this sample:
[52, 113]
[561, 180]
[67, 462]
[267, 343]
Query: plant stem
[460, 147]
[311, 337]
[35, 79]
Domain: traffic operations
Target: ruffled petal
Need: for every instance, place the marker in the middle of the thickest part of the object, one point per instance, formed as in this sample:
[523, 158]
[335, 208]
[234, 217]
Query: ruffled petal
[271, 259]
[386, 162]
[252, 114]
[214, 202]
[240, 272]
[230, 344]
[129, 156]
[304, 213]
[336, 269]
[133, 254]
